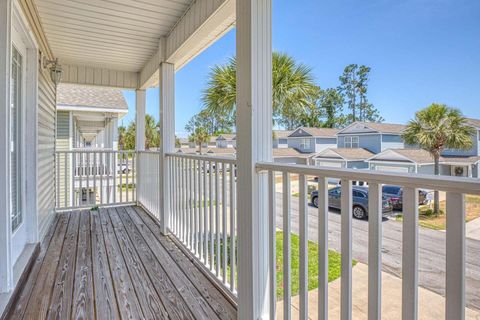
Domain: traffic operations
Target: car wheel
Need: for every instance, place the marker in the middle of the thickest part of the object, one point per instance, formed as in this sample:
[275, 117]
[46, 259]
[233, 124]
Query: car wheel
[315, 202]
[359, 212]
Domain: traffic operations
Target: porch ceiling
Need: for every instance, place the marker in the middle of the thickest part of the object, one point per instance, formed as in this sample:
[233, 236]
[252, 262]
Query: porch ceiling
[117, 34]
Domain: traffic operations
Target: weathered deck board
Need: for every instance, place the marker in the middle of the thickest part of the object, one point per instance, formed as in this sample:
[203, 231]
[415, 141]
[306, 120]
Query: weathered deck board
[148, 298]
[105, 300]
[223, 308]
[126, 297]
[83, 291]
[21, 304]
[39, 302]
[61, 302]
[114, 264]
[198, 307]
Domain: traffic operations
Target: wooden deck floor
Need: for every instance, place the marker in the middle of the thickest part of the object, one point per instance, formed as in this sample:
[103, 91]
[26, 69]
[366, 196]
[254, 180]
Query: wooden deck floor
[115, 264]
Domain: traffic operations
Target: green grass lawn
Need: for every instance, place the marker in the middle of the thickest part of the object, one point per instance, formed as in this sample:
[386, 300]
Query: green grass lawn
[334, 264]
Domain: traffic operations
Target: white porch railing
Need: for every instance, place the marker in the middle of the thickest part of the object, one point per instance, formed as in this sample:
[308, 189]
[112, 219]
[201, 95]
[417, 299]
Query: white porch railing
[455, 189]
[203, 212]
[148, 187]
[95, 177]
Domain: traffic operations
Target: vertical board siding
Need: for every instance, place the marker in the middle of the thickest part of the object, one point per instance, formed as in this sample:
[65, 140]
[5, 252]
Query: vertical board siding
[45, 151]
[90, 75]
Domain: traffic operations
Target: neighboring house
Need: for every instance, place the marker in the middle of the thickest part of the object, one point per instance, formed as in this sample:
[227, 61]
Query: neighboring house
[475, 149]
[372, 136]
[311, 140]
[280, 138]
[221, 151]
[420, 161]
[87, 118]
[290, 155]
[353, 158]
[185, 143]
[226, 140]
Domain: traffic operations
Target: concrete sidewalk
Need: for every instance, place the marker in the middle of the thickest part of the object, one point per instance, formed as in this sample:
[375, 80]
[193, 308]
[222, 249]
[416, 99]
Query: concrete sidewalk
[431, 305]
[473, 229]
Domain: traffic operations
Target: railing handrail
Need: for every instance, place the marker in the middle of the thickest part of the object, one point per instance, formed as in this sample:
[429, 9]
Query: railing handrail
[203, 157]
[93, 151]
[443, 183]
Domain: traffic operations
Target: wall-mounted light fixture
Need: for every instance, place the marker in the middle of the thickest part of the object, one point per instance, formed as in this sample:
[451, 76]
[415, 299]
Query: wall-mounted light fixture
[55, 70]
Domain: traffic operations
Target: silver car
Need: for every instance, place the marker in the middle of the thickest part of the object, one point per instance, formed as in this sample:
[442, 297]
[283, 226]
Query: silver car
[359, 200]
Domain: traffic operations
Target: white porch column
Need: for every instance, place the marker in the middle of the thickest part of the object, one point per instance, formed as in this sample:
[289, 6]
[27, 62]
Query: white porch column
[254, 144]
[114, 132]
[167, 136]
[6, 280]
[140, 120]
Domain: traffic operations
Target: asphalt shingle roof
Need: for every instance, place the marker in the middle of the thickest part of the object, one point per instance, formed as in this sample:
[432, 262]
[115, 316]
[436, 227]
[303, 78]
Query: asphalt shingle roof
[90, 96]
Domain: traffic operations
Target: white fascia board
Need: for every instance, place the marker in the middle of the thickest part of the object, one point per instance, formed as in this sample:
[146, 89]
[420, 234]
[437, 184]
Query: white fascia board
[61, 107]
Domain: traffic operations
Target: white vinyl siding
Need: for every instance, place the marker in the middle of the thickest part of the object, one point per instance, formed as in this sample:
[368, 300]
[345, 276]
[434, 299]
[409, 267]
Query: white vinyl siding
[45, 149]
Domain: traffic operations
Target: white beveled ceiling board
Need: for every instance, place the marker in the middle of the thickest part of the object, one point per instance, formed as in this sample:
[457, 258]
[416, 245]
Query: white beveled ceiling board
[115, 34]
[205, 22]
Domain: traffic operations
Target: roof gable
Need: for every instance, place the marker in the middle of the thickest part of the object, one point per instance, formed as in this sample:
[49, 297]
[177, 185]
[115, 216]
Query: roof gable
[71, 95]
[373, 127]
[300, 132]
[314, 132]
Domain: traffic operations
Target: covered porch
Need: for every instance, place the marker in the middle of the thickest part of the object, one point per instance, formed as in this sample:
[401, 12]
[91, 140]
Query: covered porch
[201, 243]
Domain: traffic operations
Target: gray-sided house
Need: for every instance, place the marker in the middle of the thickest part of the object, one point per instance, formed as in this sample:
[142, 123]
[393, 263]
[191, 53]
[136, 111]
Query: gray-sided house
[290, 155]
[474, 150]
[420, 161]
[312, 140]
[226, 140]
[280, 138]
[87, 119]
[353, 158]
[372, 136]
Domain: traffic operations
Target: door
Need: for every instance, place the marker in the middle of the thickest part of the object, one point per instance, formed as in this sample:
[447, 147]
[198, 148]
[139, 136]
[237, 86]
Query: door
[17, 107]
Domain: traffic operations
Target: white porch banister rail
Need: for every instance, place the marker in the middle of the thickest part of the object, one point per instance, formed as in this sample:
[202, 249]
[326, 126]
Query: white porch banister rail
[455, 189]
[203, 212]
[88, 178]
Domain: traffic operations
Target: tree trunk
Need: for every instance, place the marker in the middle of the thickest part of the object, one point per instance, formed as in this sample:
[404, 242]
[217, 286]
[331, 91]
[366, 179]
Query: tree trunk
[436, 197]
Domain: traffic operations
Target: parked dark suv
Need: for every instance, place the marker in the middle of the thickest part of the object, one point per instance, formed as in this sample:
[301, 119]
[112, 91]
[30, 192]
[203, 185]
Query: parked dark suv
[395, 195]
[359, 201]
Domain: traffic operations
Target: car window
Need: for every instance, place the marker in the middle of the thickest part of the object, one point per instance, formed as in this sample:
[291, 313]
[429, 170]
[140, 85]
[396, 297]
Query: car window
[391, 190]
[358, 194]
[335, 191]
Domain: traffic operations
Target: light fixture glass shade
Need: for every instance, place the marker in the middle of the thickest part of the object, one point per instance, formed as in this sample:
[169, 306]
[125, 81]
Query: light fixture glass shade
[56, 73]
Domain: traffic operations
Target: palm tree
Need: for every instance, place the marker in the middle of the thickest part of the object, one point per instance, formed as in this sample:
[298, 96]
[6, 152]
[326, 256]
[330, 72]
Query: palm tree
[292, 85]
[199, 136]
[437, 128]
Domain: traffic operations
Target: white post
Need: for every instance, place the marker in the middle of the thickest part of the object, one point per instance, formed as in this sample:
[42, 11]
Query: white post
[254, 144]
[140, 120]
[167, 137]
[5, 231]
[114, 132]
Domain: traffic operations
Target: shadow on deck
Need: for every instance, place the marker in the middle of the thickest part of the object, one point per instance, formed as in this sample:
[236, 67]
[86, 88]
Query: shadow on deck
[112, 264]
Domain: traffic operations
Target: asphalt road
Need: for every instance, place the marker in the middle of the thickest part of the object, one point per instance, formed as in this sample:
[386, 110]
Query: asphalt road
[431, 252]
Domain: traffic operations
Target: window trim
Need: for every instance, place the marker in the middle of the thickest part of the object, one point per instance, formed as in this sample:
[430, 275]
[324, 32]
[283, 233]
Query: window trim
[351, 142]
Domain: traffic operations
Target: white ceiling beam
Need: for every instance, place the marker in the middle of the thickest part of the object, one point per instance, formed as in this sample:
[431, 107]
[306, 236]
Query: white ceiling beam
[202, 24]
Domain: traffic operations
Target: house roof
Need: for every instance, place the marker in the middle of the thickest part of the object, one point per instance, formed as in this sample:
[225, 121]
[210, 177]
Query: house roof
[227, 136]
[359, 126]
[349, 154]
[229, 151]
[289, 152]
[315, 132]
[419, 156]
[473, 122]
[71, 95]
[279, 134]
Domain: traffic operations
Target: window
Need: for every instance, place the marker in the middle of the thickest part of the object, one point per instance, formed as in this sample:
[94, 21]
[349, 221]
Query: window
[305, 143]
[282, 141]
[15, 131]
[351, 142]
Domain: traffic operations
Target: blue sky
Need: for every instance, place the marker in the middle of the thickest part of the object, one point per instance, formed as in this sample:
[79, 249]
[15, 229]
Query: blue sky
[420, 51]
